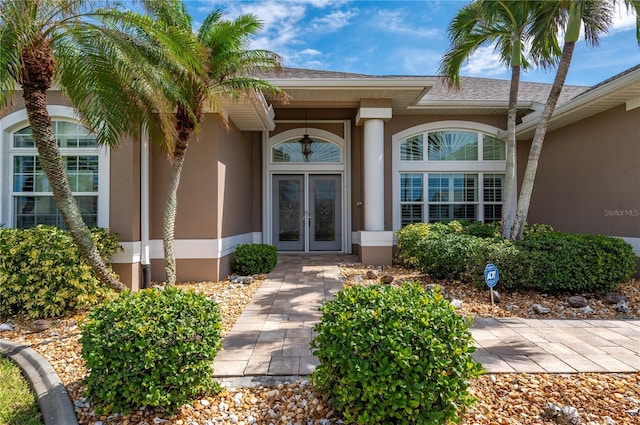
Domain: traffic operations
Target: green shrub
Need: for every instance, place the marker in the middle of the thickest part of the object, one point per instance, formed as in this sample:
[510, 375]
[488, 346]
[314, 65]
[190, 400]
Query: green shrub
[409, 239]
[566, 262]
[150, 348]
[43, 274]
[394, 355]
[544, 260]
[489, 230]
[254, 258]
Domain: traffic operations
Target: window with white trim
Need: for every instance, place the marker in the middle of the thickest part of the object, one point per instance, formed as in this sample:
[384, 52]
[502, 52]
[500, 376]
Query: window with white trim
[32, 200]
[321, 151]
[448, 174]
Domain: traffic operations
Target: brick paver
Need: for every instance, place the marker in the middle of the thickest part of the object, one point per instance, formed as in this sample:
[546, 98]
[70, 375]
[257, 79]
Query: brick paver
[273, 334]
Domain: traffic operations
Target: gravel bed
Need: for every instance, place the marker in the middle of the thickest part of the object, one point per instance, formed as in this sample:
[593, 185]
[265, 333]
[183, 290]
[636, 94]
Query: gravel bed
[503, 398]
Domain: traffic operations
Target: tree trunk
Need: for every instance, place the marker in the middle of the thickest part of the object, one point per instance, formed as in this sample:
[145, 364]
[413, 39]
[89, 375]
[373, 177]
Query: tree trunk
[38, 70]
[510, 204]
[185, 126]
[536, 145]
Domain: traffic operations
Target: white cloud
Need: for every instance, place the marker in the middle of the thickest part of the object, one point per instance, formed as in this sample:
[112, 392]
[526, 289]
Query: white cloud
[399, 21]
[311, 52]
[485, 62]
[333, 21]
[623, 19]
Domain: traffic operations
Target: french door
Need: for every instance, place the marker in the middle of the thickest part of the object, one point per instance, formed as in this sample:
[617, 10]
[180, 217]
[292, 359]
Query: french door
[307, 212]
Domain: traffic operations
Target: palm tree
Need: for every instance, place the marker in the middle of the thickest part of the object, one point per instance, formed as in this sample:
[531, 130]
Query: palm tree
[92, 55]
[505, 23]
[596, 17]
[228, 70]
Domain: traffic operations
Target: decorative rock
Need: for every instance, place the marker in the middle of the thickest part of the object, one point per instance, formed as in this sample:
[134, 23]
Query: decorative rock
[621, 307]
[550, 411]
[388, 279]
[245, 279]
[40, 325]
[538, 309]
[587, 310]
[358, 279]
[612, 298]
[568, 416]
[6, 327]
[371, 274]
[578, 302]
[456, 303]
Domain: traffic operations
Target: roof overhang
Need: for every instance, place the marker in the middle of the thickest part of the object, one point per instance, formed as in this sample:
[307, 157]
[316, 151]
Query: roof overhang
[623, 90]
[348, 92]
[460, 107]
[249, 112]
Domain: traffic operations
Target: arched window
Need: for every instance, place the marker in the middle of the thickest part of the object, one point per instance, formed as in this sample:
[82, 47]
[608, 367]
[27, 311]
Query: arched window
[291, 151]
[31, 196]
[448, 171]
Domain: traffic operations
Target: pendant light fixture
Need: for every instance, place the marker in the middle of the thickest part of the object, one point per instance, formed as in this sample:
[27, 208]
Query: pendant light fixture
[306, 141]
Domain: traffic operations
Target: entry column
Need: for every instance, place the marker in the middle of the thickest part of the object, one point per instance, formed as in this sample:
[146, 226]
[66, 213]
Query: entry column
[375, 243]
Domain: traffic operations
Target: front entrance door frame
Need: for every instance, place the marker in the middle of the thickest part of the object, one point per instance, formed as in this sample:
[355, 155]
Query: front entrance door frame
[342, 168]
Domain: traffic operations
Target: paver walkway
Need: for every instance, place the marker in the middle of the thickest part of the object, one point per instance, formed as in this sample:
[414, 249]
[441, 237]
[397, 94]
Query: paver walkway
[272, 336]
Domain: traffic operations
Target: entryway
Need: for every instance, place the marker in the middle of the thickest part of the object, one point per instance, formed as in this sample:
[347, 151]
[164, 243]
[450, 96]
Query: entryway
[307, 212]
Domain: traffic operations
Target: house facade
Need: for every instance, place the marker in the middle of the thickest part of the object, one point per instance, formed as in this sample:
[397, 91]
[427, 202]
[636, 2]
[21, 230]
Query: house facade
[339, 166]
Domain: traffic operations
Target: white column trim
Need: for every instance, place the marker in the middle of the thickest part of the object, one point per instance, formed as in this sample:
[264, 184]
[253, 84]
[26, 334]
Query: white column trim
[374, 175]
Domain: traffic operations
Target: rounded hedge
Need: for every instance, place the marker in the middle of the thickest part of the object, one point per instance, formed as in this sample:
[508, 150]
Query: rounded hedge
[396, 355]
[150, 348]
[254, 258]
[43, 274]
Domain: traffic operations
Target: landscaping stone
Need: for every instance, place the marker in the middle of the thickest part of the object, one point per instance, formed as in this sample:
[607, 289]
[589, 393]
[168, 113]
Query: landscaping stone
[6, 327]
[587, 310]
[621, 307]
[568, 416]
[40, 325]
[372, 274]
[612, 298]
[578, 301]
[387, 279]
[538, 309]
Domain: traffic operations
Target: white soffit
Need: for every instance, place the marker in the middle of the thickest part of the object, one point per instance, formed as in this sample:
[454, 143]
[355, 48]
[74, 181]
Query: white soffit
[623, 90]
[249, 112]
[348, 92]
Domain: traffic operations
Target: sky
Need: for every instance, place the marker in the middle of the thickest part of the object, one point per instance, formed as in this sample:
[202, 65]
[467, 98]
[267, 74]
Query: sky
[400, 38]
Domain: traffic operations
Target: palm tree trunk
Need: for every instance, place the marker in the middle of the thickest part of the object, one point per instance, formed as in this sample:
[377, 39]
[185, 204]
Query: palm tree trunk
[170, 211]
[35, 82]
[538, 138]
[510, 191]
[185, 126]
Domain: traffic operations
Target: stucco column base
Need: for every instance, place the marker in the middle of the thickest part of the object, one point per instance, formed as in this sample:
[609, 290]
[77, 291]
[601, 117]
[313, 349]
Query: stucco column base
[376, 247]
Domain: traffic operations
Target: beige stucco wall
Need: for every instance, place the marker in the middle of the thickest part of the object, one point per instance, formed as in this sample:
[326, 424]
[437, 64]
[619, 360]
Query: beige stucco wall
[239, 175]
[124, 190]
[219, 195]
[197, 202]
[588, 179]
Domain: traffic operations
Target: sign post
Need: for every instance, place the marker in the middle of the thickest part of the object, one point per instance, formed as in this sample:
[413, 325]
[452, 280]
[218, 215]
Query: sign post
[491, 277]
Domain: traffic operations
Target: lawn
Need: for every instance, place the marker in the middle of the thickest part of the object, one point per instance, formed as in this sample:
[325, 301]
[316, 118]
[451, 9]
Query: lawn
[17, 402]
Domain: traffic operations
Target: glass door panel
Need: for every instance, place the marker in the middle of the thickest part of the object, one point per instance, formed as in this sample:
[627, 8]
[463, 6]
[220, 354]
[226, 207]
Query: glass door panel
[325, 222]
[288, 212]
